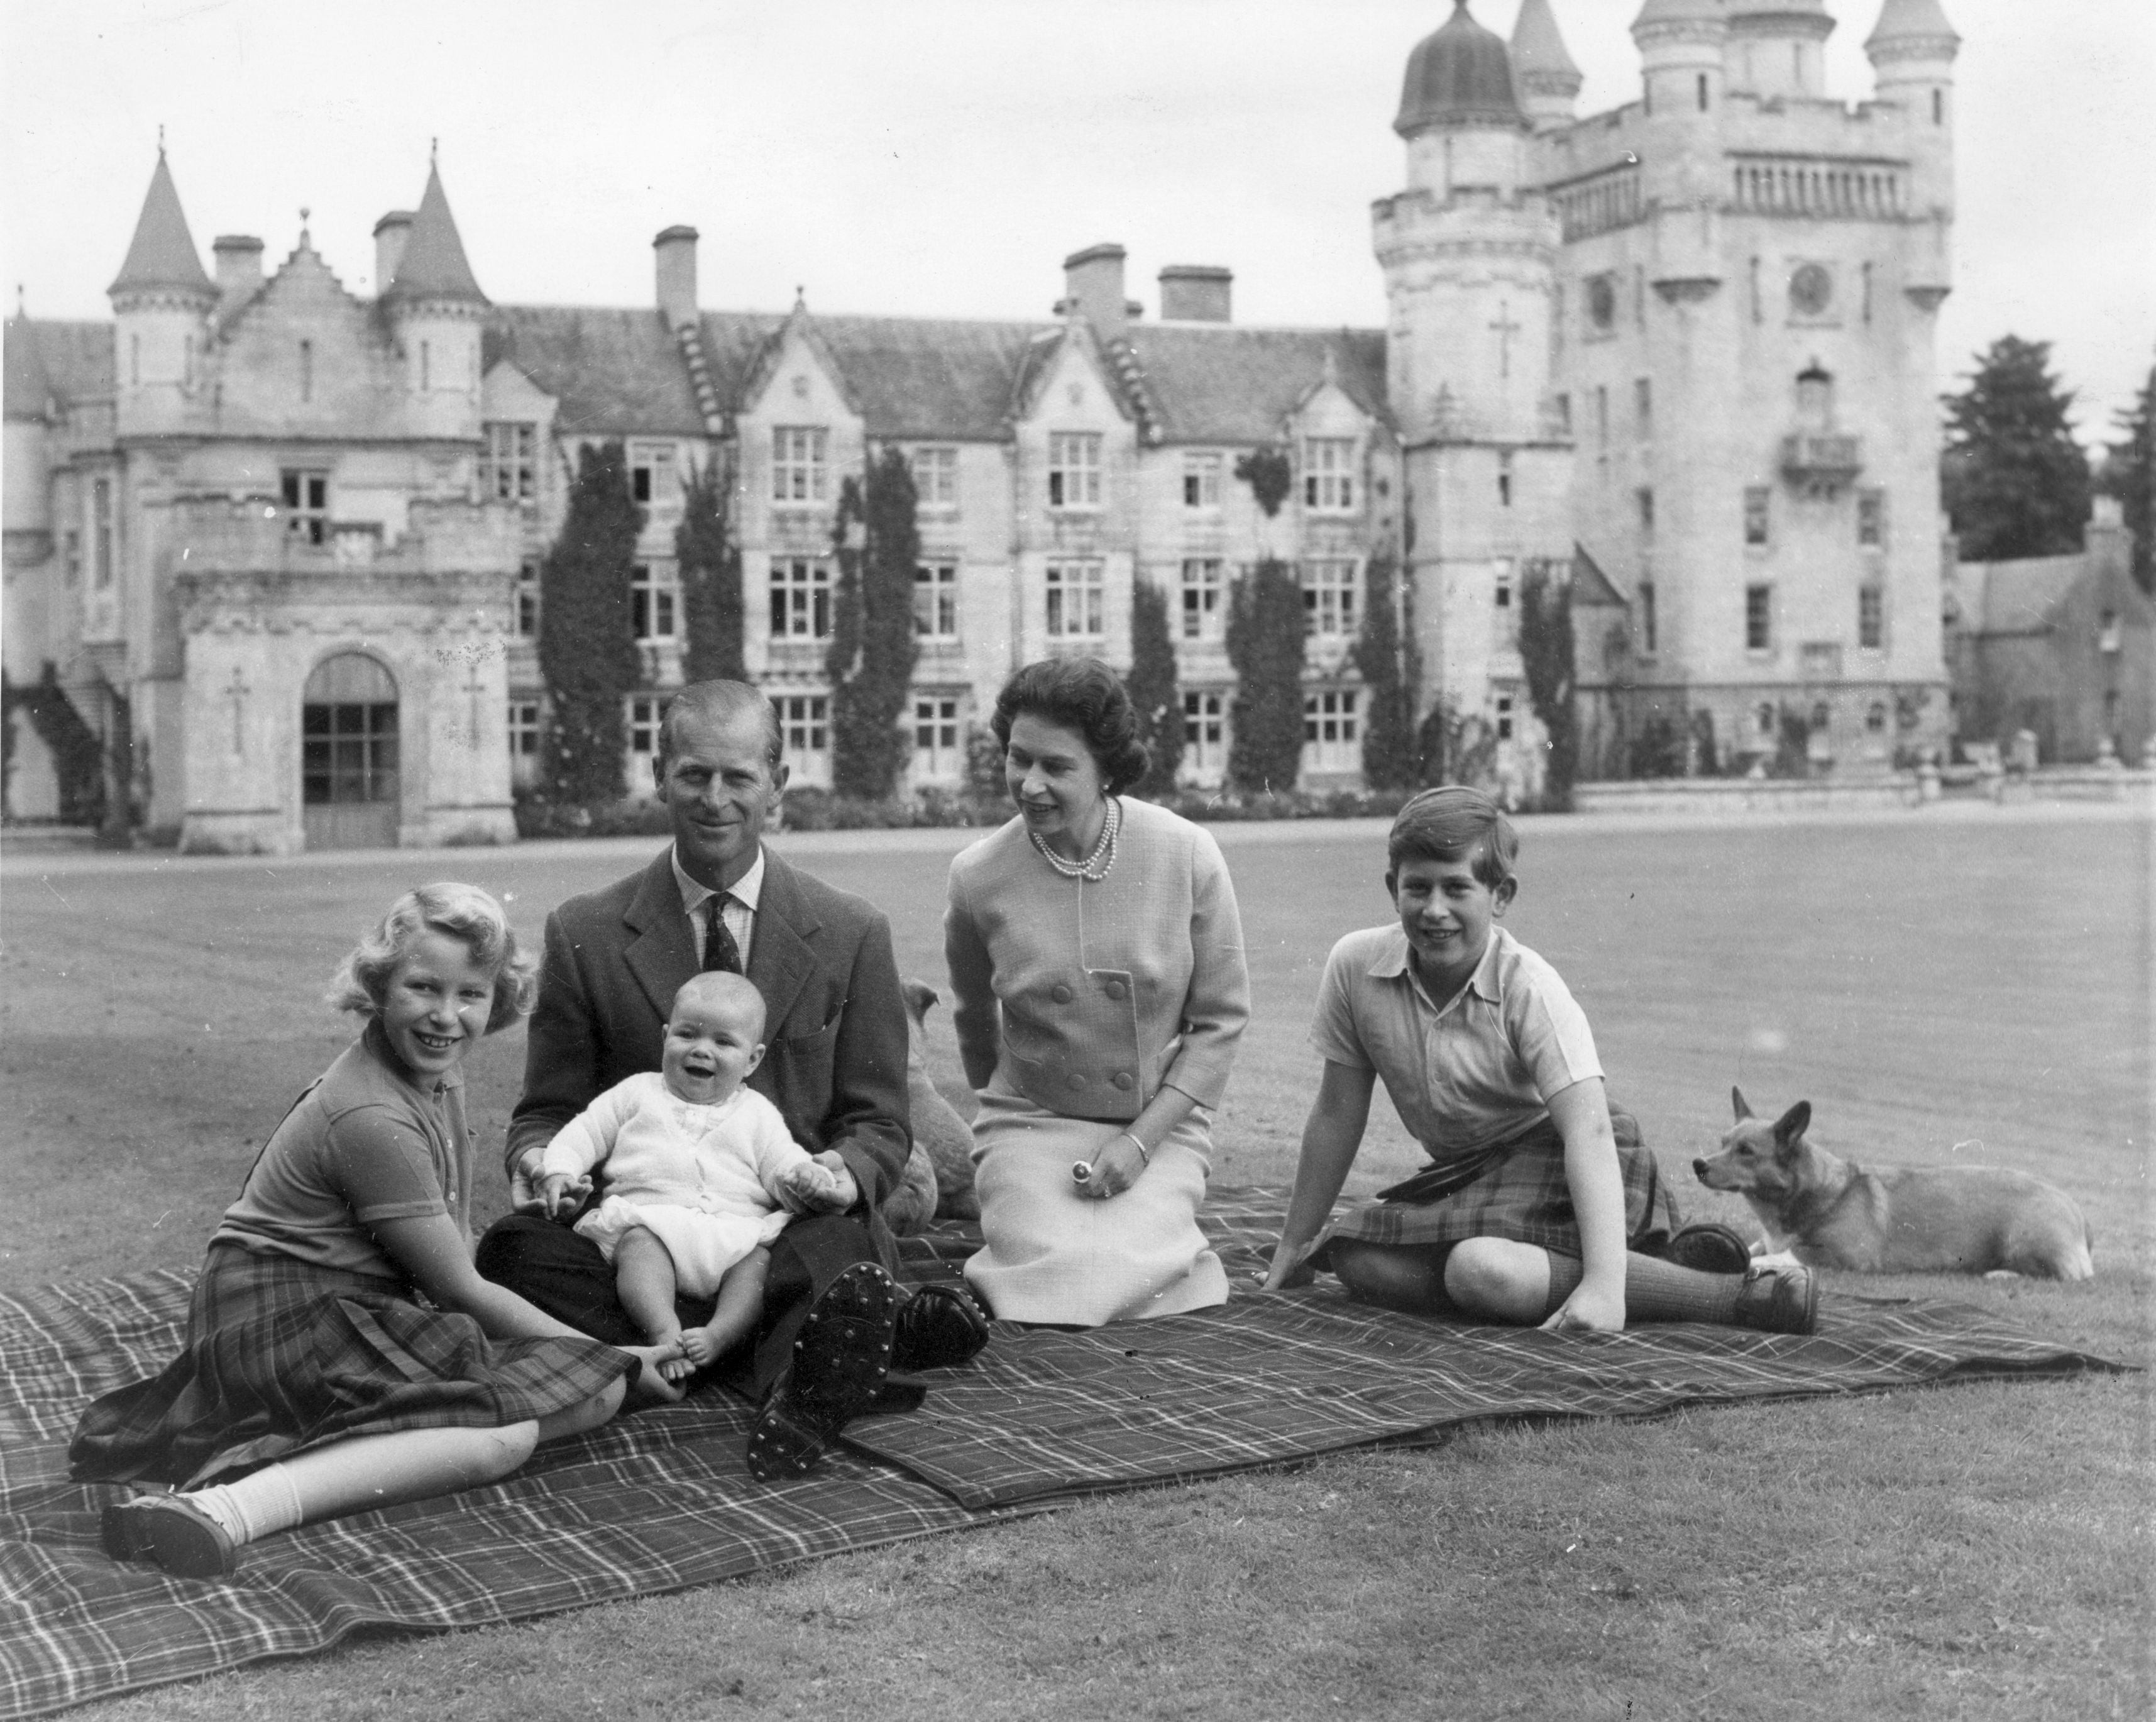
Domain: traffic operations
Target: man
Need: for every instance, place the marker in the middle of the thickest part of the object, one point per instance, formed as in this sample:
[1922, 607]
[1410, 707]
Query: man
[832, 1320]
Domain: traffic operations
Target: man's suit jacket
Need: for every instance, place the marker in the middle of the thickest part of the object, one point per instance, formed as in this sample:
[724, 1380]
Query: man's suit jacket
[835, 1027]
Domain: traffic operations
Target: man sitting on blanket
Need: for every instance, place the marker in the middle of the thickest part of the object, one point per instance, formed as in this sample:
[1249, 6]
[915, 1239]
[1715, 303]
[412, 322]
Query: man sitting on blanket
[832, 1320]
[1532, 1195]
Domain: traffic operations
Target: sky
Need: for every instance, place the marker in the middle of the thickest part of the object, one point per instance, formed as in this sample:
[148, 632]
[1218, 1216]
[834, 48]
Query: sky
[941, 157]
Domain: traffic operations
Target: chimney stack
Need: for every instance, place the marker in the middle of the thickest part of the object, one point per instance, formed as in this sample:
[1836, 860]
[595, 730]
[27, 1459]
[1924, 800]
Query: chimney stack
[1194, 293]
[239, 267]
[390, 234]
[1093, 286]
[675, 259]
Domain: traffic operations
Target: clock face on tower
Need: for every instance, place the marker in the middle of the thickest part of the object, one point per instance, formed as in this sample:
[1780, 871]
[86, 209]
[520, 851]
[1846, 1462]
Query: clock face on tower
[1811, 290]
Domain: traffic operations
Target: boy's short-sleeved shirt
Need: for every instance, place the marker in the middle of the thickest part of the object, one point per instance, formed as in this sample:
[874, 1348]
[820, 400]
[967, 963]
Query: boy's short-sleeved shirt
[1478, 1072]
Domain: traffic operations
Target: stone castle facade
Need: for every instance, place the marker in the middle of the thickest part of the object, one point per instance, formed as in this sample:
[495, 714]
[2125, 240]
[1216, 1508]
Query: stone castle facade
[1679, 354]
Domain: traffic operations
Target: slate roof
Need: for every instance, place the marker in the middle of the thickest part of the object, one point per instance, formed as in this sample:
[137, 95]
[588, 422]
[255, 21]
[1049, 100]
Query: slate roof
[1900, 19]
[434, 265]
[614, 372]
[55, 363]
[1225, 383]
[162, 253]
[1590, 586]
[2017, 597]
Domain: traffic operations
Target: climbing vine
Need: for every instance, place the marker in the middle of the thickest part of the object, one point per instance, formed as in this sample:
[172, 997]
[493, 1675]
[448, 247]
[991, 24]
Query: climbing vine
[1545, 655]
[1391, 668]
[1152, 689]
[77, 755]
[709, 562]
[1265, 643]
[874, 642]
[587, 653]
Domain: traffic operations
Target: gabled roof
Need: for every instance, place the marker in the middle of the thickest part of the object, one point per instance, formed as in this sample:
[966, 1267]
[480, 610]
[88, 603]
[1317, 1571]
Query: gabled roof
[433, 265]
[929, 376]
[55, 364]
[1226, 383]
[163, 252]
[2017, 597]
[1590, 586]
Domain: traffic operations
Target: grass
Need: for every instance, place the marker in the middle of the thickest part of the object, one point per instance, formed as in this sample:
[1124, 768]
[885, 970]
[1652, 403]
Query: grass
[1975, 1552]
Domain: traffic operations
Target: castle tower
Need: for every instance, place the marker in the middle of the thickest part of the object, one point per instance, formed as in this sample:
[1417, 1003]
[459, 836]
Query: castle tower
[1548, 81]
[1778, 47]
[436, 310]
[1911, 51]
[161, 300]
[1682, 45]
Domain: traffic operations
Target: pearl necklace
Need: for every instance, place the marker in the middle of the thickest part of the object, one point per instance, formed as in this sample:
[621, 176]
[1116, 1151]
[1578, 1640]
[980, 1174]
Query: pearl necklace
[1110, 829]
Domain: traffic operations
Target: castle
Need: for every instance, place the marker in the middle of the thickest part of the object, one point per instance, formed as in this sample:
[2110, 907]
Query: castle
[285, 541]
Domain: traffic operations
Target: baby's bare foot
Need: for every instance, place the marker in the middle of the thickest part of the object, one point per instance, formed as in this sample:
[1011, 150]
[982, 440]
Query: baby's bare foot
[699, 1346]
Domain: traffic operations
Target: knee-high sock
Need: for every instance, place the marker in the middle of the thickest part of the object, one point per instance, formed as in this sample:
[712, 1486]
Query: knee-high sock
[1655, 1290]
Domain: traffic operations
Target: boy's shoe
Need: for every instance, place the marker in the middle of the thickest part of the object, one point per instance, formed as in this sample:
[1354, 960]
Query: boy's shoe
[1784, 1300]
[171, 1531]
[1709, 1247]
[838, 1365]
[940, 1328]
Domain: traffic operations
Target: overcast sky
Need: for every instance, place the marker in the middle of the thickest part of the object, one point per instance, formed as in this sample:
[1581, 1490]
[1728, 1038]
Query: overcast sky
[939, 157]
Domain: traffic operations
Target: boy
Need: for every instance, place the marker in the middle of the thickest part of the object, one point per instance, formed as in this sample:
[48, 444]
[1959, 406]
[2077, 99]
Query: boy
[1525, 1211]
[700, 1174]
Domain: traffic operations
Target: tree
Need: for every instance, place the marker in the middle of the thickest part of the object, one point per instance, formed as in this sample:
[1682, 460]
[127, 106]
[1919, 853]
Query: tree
[2130, 475]
[587, 653]
[1265, 643]
[1152, 688]
[2014, 480]
[1545, 655]
[710, 579]
[874, 642]
[1391, 669]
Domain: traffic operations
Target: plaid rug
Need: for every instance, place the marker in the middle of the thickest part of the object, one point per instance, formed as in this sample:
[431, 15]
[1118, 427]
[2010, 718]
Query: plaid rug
[661, 1501]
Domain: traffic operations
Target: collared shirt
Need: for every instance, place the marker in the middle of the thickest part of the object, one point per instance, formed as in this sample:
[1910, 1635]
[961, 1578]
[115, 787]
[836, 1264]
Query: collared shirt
[739, 904]
[1476, 1072]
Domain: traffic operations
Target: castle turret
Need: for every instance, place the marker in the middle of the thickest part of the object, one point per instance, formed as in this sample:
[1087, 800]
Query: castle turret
[435, 306]
[1681, 45]
[1911, 51]
[161, 300]
[1548, 81]
[1778, 47]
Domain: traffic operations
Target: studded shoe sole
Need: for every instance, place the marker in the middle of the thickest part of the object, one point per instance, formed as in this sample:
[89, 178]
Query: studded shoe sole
[170, 1533]
[838, 1368]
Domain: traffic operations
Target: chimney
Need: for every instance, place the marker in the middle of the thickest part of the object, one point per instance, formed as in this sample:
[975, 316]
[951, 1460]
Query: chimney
[674, 257]
[1194, 293]
[239, 266]
[390, 234]
[1093, 285]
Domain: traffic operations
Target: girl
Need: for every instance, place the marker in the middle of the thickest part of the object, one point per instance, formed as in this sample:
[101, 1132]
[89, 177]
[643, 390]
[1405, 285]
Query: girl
[313, 1379]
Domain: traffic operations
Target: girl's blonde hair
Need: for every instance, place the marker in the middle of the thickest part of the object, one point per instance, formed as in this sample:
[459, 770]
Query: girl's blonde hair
[465, 913]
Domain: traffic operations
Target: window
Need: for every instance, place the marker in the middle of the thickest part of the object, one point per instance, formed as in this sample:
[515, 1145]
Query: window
[653, 601]
[1643, 408]
[1763, 721]
[644, 712]
[1328, 474]
[1502, 595]
[1646, 499]
[1755, 514]
[1564, 413]
[306, 504]
[936, 477]
[1328, 599]
[1201, 480]
[1074, 470]
[1602, 300]
[1702, 92]
[2108, 640]
[1871, 617]
[1601, 417]
[527, 599]
[71, 556]
[1202, 616]
[1758, 619]
[1871, 518]
[524, 728]
[426, 365]
[1874, 717]
[651, 475]
[1647, 622]
[797, 463]
[936, 751]
[1504, 708]
[509, 463]
[936, 601]
[1505, 479]
[100, 534]
[1077, 600]
[307, 371]
[1205, 733]
[804, 722]
[1330, 730]
[800, 597]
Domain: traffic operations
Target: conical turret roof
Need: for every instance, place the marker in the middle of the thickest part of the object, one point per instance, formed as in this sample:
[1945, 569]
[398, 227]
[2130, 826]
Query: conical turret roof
[163, 252]
[1901, 20]
[1538, 51]
[434, 265]
[1460, 75]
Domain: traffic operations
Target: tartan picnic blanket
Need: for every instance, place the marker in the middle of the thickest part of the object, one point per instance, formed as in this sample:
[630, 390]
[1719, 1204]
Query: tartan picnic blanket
[663, 1500]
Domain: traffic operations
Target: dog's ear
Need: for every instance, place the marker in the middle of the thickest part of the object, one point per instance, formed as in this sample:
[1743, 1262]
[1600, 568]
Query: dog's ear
[1737, 1099]
[1792, 1124]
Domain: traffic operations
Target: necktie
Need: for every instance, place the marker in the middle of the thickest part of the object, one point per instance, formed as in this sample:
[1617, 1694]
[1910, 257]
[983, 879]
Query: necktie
[720, 950]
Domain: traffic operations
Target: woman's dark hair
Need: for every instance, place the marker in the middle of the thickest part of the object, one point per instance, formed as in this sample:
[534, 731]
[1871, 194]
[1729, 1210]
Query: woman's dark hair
[1085, 695]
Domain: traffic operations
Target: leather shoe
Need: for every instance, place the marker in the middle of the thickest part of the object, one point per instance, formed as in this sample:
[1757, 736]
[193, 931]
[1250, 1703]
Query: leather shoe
[838, 1368]
[171, 1531]
[1709, 1247]
[940, 1328]
[1783, 1300]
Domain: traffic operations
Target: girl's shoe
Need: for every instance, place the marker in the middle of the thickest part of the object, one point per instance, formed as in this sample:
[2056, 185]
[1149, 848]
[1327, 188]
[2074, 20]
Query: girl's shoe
[171, 1531]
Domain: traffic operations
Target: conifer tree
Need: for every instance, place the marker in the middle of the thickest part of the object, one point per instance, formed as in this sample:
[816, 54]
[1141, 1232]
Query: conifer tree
[1265, 643]
[1152, 689]
[2130, 475]
[1545, 655]
[1391, 669]
[710, 579]
[874, 642]
[587, 653]
[2014, 481]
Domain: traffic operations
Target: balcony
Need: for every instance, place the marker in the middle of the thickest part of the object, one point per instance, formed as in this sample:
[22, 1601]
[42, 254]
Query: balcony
[1822, 463]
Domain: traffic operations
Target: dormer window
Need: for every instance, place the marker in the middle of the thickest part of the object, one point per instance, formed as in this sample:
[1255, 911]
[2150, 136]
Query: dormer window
[651, 475]
[1328, 475]
[798, 466]
[935, 478]
[1074, 469]
[1201, 480]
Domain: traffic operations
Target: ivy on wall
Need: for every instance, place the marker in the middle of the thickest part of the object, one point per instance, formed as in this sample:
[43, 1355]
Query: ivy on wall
[78, 756]
[873, 643]
[1545, 655]
[588, 654]
[1153, 688]
[1391, 668]
[709, 564]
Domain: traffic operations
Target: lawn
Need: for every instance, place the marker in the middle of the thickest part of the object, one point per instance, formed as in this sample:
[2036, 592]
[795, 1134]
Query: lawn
[1973, 985]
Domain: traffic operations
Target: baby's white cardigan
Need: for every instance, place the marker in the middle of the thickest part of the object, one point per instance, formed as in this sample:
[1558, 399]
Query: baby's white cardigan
[653, 1146]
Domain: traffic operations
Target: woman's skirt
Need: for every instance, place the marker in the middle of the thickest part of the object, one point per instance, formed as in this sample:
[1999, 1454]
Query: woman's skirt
[282, 1355]
[704, 1246]
[1524, 1196]
[1053, 1255]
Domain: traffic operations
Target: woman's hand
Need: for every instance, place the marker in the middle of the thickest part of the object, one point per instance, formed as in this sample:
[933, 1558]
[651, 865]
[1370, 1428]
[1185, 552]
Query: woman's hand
[1115, 1167]
[1590, 1309]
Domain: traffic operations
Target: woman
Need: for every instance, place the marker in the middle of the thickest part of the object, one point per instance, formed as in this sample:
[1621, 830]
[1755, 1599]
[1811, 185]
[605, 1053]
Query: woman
[314, 1381]
[1098, 960]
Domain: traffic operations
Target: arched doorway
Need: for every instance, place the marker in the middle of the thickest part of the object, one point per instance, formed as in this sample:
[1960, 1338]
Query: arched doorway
[348, 754]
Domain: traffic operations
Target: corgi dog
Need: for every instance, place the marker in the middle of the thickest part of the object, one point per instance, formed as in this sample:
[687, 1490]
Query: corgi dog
[1828, 1212]
[938, 1131]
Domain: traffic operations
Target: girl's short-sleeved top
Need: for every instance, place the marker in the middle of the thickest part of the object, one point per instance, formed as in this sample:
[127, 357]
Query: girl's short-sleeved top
[1473, 1073]
[365, 1144]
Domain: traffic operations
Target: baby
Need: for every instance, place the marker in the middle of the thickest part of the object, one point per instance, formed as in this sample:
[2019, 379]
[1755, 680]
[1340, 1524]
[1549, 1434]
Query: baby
[700, 1174]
